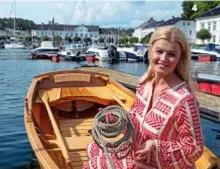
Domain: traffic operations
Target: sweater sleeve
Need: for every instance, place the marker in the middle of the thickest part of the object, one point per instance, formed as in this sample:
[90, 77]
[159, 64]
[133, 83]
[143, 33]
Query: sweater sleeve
[189, 147]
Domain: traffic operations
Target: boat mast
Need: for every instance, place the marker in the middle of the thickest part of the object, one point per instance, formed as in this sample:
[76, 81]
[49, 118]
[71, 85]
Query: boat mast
[14, 17]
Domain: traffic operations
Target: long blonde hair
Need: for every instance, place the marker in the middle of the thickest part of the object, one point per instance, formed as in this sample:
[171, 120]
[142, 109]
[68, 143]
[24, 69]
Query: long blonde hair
[183, 66]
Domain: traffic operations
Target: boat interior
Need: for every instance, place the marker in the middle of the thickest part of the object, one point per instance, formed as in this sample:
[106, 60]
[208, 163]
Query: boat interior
[66, 131]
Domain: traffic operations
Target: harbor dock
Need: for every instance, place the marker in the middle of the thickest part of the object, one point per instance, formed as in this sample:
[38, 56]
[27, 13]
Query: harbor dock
[209, 104]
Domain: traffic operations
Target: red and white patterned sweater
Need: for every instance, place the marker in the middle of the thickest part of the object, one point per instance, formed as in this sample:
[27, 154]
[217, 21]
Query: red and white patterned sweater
[174, 123]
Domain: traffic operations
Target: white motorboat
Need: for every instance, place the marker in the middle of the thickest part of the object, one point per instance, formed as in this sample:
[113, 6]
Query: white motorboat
[100, 52]
[45, 51]
[195, 53]
[138, 52]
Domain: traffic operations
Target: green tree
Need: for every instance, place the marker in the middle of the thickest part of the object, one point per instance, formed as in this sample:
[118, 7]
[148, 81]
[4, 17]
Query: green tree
[68, 38]
[27, 38]
[187, 9]
[87, 40]
[133, 40]
[146, 39]
[76, 39]
[21, 24]
[201, 6]
[44, 38]
[203, 34]
[58, 40]
[101, 40]
[35, 38]
[123, 40]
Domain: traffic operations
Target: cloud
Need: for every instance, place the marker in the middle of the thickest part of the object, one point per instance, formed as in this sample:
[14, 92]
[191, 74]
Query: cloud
[102, 13]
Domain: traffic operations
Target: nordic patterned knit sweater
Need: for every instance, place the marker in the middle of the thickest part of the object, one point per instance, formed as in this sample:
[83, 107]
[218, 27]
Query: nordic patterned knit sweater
[174, 123]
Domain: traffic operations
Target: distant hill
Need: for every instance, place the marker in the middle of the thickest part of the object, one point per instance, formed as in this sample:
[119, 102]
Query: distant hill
[21, 24]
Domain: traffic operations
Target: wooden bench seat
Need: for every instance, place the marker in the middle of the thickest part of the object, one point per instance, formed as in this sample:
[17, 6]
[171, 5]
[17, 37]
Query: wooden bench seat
[75, 143]
[76, 127]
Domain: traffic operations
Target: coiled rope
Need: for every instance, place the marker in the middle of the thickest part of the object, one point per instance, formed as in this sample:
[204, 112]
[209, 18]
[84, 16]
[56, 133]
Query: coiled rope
[103, 128]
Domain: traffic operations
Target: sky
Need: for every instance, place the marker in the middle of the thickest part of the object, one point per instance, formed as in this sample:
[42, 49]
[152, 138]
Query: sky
[102, 13]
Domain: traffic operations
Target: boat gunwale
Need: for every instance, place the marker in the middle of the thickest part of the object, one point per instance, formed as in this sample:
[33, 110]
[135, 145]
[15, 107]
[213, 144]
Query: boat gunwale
[39, 150]
[68, 71]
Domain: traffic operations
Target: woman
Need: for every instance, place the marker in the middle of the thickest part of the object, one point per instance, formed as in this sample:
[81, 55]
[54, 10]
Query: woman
[165, 112]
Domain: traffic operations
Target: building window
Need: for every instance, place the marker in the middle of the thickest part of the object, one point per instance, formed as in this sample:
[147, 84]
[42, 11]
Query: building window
[183, 23]
[188, 23]
[76, 34]
[202, 25]
[81, 34]
[209, 26]
[213, 38]
[90, 35]
[190, 32]
[214, 25]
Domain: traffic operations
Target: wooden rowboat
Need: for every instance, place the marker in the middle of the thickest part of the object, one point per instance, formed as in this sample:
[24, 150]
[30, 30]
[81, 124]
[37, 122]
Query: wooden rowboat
[59, 112]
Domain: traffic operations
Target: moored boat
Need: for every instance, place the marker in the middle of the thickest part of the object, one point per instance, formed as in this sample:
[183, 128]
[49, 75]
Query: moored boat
[208, 83]
[59, 112]
[137, 53]
[45, 51]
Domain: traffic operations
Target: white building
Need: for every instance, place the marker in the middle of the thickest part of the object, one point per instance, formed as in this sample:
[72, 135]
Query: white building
[107, 34]
[63, 31]
[186, 26]
[210, 20]
[143, 29]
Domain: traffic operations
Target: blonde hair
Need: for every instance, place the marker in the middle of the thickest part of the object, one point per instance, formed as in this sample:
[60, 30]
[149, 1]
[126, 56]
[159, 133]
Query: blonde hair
[183, 66]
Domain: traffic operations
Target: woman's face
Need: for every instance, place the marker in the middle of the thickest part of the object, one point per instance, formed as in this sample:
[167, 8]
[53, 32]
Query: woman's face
[164, 56]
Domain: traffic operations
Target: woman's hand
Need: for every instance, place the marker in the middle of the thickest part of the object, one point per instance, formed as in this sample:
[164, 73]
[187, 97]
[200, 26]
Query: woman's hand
[144, 152]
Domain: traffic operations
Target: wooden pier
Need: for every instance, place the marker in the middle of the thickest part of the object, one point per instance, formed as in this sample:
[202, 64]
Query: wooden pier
[209, 104]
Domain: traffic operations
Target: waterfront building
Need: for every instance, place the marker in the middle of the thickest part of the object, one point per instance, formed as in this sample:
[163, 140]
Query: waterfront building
[144, 29]
[186, 26]
[107, 35]
[81, 31]
[210, 20]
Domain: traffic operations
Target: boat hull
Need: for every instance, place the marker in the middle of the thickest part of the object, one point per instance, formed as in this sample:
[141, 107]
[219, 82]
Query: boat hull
[132, 56]
[208, 84]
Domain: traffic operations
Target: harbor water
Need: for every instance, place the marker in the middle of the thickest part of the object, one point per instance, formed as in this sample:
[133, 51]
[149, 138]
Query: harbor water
[16, 73]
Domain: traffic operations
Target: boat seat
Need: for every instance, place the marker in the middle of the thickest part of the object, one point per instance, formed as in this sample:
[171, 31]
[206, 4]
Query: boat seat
[76, 127]
[76, 143]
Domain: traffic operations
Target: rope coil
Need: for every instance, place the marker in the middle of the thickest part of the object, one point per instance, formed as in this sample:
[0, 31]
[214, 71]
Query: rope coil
[104, 128]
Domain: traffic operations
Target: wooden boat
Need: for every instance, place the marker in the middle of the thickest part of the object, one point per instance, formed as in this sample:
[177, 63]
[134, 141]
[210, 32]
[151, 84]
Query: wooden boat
[59, 112]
